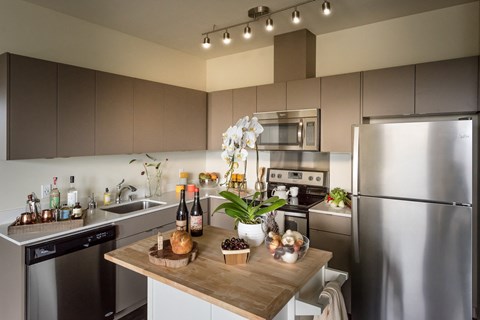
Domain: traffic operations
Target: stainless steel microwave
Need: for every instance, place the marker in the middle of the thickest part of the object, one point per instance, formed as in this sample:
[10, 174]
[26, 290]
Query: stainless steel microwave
[290, 130]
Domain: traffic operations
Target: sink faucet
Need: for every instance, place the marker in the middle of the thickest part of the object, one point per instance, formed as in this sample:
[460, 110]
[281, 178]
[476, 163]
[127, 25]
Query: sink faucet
[120, 190]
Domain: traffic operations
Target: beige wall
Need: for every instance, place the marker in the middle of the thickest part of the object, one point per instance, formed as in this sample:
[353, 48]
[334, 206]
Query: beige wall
[436, 35]
[34, 31]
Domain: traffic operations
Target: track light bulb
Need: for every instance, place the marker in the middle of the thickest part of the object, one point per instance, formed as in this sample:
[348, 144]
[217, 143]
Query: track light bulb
[296, 16]
[247, 32]
[226, 37]
[206, 42]
[269, 24]
[326, 8]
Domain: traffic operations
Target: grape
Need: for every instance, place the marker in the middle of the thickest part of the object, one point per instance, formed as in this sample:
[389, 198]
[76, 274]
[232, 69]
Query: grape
[234, 244]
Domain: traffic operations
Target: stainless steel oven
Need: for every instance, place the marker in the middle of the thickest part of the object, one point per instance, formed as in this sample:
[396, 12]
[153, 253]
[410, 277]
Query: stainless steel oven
[296, 221]
[290, 130]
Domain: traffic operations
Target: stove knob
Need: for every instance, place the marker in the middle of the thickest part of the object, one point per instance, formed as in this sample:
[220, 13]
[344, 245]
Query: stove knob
[318, 179]
[310, 178]
[272, 175]
[279, 176]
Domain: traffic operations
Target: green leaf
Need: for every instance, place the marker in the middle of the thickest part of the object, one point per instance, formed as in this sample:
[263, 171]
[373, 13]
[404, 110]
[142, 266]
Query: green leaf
[150, 157]
[133, 160]
[234, 199]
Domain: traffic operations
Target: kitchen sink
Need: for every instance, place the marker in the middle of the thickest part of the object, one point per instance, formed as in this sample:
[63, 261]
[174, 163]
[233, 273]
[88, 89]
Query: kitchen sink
[134, 206]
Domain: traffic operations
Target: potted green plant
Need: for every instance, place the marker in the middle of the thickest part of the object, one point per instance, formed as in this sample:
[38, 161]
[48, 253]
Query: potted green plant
[248, 215]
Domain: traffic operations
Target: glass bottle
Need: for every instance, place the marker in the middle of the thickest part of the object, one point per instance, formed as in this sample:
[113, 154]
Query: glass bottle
[77, 211]
[182, 213]
[196, 216]
[55, 195]
[72, 193]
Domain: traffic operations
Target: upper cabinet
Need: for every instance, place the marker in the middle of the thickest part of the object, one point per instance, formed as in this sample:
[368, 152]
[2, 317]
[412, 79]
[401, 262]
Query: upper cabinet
[303, 94]
[32, 108]
[113, 114]
[76, 111]
[389, 92]
[272, 97]
[447, 86]
[220, 114]
[148, 115]
[244, 102]
[185, 122]
[340, 109]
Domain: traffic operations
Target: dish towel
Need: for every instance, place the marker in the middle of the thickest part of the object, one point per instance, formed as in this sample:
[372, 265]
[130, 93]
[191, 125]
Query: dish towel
[335, 310]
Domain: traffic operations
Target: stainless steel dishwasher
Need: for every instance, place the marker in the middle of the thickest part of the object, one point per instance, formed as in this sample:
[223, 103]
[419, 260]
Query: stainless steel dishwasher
[68, 278]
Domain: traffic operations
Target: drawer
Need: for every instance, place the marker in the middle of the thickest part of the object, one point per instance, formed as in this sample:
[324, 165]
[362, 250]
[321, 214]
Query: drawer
[339, 244]
[330, 223]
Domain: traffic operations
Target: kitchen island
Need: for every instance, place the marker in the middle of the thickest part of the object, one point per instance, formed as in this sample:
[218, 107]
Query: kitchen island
[207, 288]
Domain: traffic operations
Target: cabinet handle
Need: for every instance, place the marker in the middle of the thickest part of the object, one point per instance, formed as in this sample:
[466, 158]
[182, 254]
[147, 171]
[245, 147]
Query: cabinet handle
[355, 235]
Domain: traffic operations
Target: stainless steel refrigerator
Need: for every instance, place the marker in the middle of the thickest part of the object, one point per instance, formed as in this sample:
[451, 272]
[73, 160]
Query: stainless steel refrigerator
[414, 220]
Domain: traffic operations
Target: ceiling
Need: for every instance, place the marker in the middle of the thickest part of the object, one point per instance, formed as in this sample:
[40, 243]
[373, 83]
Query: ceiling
[179, 24]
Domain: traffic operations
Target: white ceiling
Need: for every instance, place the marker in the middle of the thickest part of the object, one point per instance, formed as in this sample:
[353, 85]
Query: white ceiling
[179, 24]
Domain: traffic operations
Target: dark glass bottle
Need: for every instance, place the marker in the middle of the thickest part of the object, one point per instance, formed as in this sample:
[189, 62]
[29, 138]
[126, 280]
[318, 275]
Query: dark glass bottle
[182, 213]
[196, 216]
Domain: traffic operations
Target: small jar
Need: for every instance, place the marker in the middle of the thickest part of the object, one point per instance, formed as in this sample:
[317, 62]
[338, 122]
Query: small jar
[65, 213]
[77, 211]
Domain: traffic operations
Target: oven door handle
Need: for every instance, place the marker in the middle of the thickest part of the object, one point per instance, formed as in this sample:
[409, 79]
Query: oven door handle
[300, 133]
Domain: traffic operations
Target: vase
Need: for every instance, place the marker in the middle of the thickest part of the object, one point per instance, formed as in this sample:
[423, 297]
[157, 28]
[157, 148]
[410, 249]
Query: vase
[252, 233]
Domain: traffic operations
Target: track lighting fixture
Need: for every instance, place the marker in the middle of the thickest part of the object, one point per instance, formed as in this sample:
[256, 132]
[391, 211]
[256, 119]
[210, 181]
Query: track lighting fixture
[296, 16]
[226, 37]
[256, 14]
[269, 24]
[326, 8]
[206, 42]
[247, 32]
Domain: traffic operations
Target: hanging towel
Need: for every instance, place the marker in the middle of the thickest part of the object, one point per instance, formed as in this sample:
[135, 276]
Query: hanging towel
[335, 310]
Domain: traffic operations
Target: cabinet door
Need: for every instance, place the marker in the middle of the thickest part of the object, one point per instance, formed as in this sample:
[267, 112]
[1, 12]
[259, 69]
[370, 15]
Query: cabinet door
[220, 218]
[303, 94]
[272, 97]
[148, 115]
[76, 111]
[389, 92]
[340, 104]
[447, 86]
[244, 102]
[185, 122]
[113, 114]
[32, 108]
[219, 117]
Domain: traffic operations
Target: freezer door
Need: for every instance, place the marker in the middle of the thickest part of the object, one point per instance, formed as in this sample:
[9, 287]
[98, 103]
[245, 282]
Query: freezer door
[429, 161]
[414, 260]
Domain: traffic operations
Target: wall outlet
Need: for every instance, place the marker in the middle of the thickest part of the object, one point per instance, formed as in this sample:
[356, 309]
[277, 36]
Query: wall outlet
[45, 190]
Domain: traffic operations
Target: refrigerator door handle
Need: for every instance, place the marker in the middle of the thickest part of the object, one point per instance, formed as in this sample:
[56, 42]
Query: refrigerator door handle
[356, 134]
[355, 235]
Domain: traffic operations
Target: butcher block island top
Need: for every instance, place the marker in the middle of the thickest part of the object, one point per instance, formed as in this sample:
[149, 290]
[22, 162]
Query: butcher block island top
[256, 290]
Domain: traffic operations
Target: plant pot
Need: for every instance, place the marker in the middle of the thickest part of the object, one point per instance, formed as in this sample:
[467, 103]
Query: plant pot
[252, 233]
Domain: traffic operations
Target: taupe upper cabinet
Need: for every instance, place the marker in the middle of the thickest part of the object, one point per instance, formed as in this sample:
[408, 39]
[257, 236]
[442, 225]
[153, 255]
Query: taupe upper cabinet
[220, 113]
[76, 111]
[303, 94]
[389, 92]
[149, 113]
[447, 86]
[185, 122]
[340, 109]
[113, 114]
[32, 108]
[244, 103]
[272, 97]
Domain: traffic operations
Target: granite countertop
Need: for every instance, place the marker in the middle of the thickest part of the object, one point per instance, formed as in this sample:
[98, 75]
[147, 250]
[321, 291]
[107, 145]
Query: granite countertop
[233, 287]
[99, 217]
[325, 208]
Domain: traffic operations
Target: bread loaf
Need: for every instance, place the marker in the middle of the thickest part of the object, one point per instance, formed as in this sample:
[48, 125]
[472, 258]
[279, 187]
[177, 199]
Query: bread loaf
[181, 242]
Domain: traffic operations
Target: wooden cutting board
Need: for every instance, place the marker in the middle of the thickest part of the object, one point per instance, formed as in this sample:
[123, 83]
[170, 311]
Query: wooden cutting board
[168, 258]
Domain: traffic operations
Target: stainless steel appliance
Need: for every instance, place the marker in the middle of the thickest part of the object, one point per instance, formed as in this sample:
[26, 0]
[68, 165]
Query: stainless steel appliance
[414, 220]
[311, 190]
[68, 278]
[290, 130]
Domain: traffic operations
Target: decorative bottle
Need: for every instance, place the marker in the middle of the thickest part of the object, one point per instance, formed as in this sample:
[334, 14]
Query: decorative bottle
[196, 216]
[182, 213]
[54, 195]
[72, 193]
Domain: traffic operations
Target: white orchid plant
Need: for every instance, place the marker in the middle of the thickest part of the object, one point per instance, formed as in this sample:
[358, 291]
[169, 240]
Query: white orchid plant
[237, 139]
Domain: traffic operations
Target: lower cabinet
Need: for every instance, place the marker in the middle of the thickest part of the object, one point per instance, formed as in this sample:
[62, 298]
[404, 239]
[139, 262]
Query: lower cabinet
[220, 218]
[333, 233]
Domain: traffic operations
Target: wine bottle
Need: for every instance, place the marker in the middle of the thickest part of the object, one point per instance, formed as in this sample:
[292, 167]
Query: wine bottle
[196, 216]
[182, 213]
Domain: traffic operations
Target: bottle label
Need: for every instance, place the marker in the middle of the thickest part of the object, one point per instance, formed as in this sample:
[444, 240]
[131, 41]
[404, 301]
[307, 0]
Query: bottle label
[181, 225]
[55, 202]
[71, 198]
[77, 212]
[196, 223]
